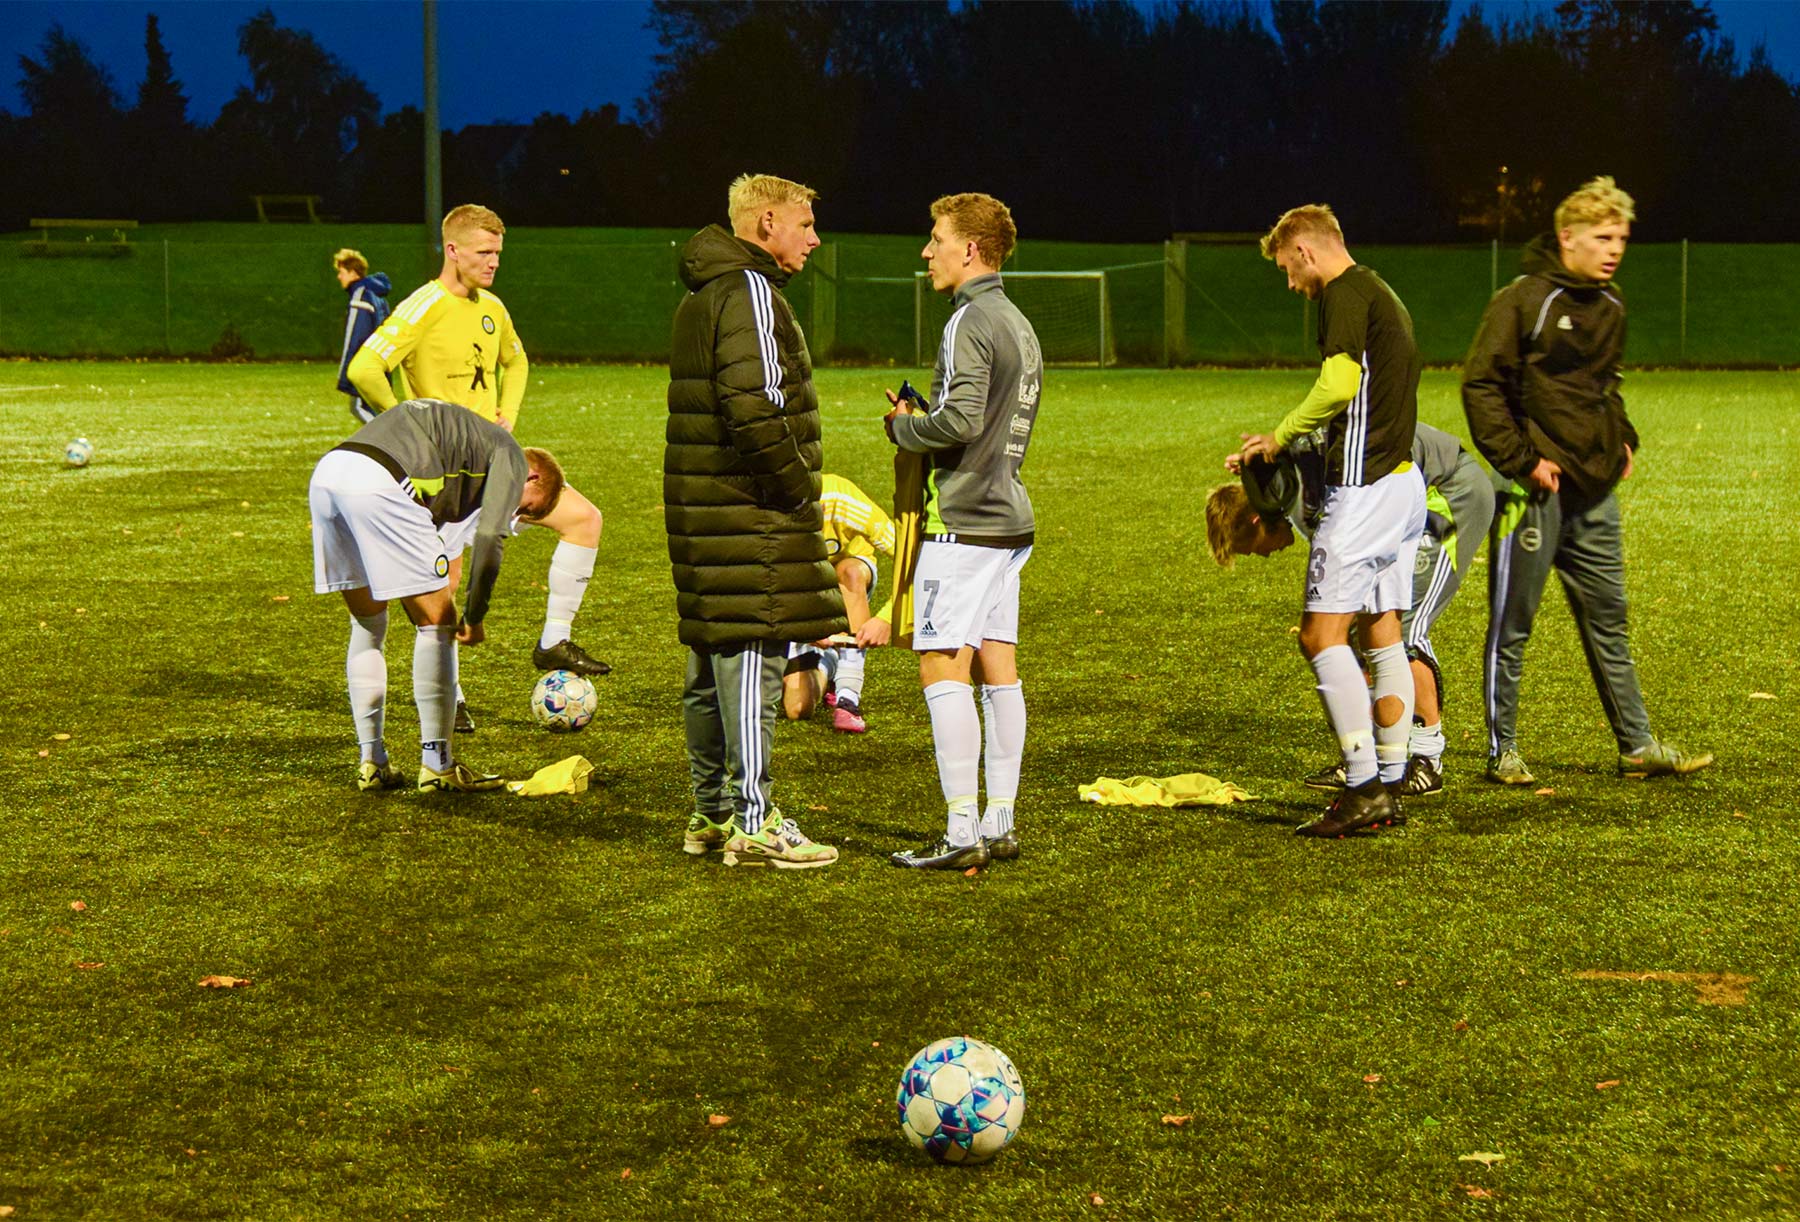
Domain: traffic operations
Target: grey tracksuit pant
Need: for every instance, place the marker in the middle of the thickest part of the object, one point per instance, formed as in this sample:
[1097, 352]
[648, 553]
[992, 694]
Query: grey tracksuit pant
[729, 704]
[1579, 538]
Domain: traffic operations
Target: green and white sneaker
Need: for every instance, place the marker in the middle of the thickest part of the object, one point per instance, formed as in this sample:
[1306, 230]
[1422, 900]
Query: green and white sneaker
[1661, 759]
[1509, 769]
[780, 843]
[370, 775]
[703, 835]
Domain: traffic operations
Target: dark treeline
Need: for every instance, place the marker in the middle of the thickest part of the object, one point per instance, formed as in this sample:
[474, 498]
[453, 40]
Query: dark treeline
[1099, 121]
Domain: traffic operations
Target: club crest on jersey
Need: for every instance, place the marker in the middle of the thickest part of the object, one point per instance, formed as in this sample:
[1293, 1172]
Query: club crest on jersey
[442, 566]
[487, 323]
[1530, 539]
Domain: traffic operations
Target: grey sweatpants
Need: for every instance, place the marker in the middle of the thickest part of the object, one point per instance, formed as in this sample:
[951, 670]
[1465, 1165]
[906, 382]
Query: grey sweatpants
[729, 704]
[1580, 539]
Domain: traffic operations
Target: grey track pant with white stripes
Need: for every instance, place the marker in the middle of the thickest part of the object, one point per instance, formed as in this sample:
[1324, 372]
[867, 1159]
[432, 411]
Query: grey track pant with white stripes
[1581, 540]
[729, 705]
[1438, 571]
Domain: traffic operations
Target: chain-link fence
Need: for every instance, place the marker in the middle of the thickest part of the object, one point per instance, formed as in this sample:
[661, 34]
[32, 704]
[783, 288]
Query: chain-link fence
[859, 300]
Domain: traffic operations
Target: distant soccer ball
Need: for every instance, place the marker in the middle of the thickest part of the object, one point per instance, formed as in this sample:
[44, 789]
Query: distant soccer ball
[78, 452]
[563, 700]
[960, 1100]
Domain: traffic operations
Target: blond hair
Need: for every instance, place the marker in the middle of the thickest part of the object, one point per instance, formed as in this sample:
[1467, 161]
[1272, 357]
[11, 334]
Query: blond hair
[550, 475]
[351, 261]
[751, 193]
[980, 219]
[1598, 201]
[465, 219]
[1230, 523]
[1308, 220]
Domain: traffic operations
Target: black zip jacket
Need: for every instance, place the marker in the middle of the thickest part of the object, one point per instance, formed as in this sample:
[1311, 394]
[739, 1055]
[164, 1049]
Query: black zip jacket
[1542, 378]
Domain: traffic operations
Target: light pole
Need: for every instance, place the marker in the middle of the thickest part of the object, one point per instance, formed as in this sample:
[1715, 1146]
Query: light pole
[434, 164]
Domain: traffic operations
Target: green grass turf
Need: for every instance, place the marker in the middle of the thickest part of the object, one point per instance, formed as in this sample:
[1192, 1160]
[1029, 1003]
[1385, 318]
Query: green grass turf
[493, 1007]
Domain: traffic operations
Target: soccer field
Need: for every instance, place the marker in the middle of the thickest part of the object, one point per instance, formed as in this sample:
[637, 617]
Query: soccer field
[496, 1007]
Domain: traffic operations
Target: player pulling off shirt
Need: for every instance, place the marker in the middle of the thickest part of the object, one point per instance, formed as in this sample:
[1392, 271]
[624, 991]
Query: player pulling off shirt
[978, 529]
[1372, 514]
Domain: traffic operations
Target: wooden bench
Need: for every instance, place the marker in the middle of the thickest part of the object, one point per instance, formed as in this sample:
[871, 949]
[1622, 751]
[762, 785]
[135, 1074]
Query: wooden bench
[55, 236]
[286, 208]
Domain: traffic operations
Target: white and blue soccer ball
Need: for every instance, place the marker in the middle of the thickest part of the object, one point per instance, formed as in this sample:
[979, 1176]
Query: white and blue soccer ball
[78, 453]
[960, 1100]
[564, 700]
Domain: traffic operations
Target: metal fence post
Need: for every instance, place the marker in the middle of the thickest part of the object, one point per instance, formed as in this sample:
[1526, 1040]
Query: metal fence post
[1494, 268]
[1681, 352]
[824, 263]
[1175, 272]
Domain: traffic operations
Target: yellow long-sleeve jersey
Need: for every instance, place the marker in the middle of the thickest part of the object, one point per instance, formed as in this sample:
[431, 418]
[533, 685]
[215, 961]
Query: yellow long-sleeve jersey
[854, 524]
[462, 350]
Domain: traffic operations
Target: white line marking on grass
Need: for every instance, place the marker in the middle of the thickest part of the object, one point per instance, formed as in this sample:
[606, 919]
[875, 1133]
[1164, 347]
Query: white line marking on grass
[8, 390]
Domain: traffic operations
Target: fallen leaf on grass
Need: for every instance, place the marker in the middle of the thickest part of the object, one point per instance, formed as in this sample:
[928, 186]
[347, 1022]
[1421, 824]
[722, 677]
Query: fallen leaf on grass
[6, 1211]
[971, 872]
[190, 1152]
[1371, 1078]
[279, 598]
[1461, 1024]
[224, 982]
[61, 738]
[1606, 1085]
[1486, 1158]
[44, 754]
[1175, 1122]
[1545, 792]
[718, 1120]
[1738, 814]
[825, 809]
[625, 1174]
[1095, 1198]
[453, 1069]
[1710, 988]
[78, 906]
[88, 967]
[1476, 1191]
[1762, 695]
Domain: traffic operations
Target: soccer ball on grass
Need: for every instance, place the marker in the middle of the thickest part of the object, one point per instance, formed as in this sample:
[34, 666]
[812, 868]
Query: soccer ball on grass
[78, 452]
[563, 700]
[960, 1100]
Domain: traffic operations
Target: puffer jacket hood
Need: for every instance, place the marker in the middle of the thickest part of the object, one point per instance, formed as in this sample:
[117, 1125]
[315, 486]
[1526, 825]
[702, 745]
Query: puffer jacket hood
[1543, 257]
[714, 252]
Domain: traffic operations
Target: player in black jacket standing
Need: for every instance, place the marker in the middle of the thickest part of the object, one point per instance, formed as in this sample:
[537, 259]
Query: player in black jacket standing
[1541, 392]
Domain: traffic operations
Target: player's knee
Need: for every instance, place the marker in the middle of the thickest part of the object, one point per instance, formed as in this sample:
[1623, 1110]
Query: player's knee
[1389, 710]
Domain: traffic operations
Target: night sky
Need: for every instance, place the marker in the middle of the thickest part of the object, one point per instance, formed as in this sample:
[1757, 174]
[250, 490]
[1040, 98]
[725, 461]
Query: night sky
[499, 60]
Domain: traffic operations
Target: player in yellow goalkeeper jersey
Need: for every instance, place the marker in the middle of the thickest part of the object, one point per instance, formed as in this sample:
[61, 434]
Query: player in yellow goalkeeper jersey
[856, 530]
[454, 340]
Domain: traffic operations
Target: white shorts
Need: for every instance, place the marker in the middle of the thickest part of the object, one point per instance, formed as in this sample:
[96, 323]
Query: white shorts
[964, 595]
[1365, 545]
[368, 533]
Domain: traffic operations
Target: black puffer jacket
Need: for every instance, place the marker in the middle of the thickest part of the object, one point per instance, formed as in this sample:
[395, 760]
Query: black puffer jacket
[1542, 378]
[741, 469]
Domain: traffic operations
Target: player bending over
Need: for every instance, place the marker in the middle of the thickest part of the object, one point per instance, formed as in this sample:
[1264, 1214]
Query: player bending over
[1261, 515]
[453, 340]
[978, 529]
[379, 501]
[1371, 515]
[856, 528]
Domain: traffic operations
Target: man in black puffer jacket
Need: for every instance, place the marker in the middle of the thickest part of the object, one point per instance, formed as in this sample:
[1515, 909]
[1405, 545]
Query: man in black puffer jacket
[1541, 391]
[741, 490]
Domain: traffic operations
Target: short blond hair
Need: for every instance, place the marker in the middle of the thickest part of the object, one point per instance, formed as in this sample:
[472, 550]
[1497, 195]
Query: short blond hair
[1598, 201]
[550, 475]
[751, 193]
[1230, 523]
[351, 261]
[1308, 220]
[465, 219]
[980, 219]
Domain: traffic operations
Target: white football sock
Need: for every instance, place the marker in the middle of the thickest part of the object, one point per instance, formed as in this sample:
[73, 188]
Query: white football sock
[434, 691]
[1346, 699]
[571, 567]
[1392, 675]
[365, 667]
[1003, 716]
[956, 733]
[1427, 741]
[850, 663]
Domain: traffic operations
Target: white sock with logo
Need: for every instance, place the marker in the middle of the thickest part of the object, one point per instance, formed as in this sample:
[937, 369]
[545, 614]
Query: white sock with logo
[571, 567]
[1346, 700]
[1003, 717]
[365, 668]
[956, 734]
[434, 691]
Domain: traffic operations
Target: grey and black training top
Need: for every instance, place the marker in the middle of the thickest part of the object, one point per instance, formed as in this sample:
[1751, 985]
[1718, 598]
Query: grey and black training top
[984, 396]
[454, 463]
